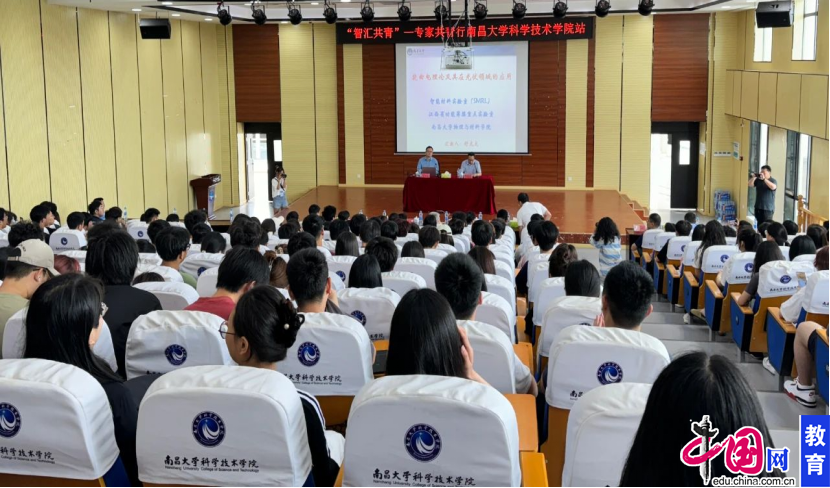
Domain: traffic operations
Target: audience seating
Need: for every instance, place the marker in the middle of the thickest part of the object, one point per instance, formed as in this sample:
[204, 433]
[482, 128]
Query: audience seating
[332, 360]
[584, 358]
[4, 239]
[196, 264]
[62, 414]
[601, 429]
[804, 258]
[674, 275]
[493, 355]
[275, 241]
[732, 241]
[164, 341]
[173, 296]
[401, 282]
[138, 232]
[659, 269]
[14, 340]
[503, 288]
[778, 280]
[435, 255]
[711, 262]
[79, 255]
[674, 253]
[538, 269]
[446, 248]
[169, 274]
[425, 268]
[562, 313]
[495, 310]
[64, 241]
[441, 421]
[206, 284]
[781, 333]
[549, 289]
[506, 271]
[149, 259]
[462, 243]
[717, 316]
[341, 266]
[194, 417]
[647, 249]
[370, 307]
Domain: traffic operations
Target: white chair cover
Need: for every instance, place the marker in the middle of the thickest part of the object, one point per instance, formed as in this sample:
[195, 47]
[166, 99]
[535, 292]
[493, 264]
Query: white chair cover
[661, 240]
[447, 248]
[435, 255]
[440, 421]
[332, 356]
[731, 240]
[371, 307]
[601, 428]
[79, 255]
[650, 238]
[537, 271]
[425, 268]
[227, 240]
[688, 259]
[402, 282]
[169, 274]
[495, 310]
[738, 268]
[4, 239]
[549, 290]
[506, 271]
[676, 247]
[173, 296]
[715, 257]
[149, 259]
[177, 224]
[193, 430]
[817, 292]
[341, 266]
[196, 264]
[503, 288]
[67, 241]
[138, 232]
[493, 355]
[336, 282]
[461, 243]
[164, 341]
[583, 358]
[206, 284]
[781, 278]
[564, 312]
[808, 258]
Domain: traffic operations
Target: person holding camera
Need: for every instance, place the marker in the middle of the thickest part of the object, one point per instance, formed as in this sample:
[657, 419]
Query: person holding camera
[765, 186]
[278, 191]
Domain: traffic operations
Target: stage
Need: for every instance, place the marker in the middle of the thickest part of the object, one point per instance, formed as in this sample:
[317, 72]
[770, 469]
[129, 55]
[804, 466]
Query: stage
[574, 211]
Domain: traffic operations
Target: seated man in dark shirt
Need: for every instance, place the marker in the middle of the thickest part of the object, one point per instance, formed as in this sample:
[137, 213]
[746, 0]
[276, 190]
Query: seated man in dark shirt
[681, 228]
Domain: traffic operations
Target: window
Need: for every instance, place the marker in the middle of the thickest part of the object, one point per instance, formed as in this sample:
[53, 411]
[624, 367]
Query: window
[758, 142]
[805, 30]
[763, 45]
[796, 172]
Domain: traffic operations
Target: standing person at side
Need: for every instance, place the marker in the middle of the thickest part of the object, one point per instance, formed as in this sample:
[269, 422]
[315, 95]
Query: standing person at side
[765, 186]
[278, 191]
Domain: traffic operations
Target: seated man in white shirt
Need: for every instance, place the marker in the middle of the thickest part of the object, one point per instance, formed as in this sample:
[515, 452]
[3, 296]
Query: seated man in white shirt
[314, 225]
[74, 225]
[470, 166]
[460, 280]
[529, 208]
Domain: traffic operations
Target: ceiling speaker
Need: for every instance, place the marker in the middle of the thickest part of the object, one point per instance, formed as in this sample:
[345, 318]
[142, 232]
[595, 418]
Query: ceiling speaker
[155, 28]
[774, 14]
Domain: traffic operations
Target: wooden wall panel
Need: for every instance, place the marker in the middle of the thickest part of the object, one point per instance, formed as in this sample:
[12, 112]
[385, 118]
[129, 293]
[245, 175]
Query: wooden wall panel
[175, 134]
[729, 102]
[576, 120]
[194, 114]
[125, 106]
[62, 72]
[819, 202]
[767, 86]
[341, 125]
[382, 166]
[608, 92]
[788, 103]
[680, 68]
[635, 129]
[325, 103]
[813, 116]
[749, 95]
[256, 54]
[210, 94]
[24, 106]
[353, 132]
[151, 96]
[4, 170]
[589, 131]
[227, 117]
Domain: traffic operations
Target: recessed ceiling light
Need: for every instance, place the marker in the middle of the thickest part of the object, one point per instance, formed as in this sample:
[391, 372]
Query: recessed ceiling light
[167, 3]
[727, 6]
[284, 22]
[315, 3]
[345, 1]
[177, 15]
[136, 10]
[208, 19]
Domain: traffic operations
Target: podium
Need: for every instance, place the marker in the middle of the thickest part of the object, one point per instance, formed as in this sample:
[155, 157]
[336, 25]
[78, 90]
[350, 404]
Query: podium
[205, 190]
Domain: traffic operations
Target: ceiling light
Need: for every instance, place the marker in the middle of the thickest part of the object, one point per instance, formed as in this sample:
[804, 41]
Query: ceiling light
[519, 9]
[224, 14]
[727, 6]
[295, 14]
[560, 9]
[167, 3]
[208, 19]
[136, 10]
[176, 15]
[404, 12]
[480, 10]
[315, 3]
[258, 13]
[645, 7]
[602, 8]
[367, 12]
[330, 13]
[345, 1]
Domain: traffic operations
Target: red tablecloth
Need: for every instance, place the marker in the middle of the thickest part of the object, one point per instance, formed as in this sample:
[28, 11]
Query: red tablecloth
[453, 194]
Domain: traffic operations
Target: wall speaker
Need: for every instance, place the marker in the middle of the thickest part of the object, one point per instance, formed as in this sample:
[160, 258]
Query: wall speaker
[774, 14]
[155, 28]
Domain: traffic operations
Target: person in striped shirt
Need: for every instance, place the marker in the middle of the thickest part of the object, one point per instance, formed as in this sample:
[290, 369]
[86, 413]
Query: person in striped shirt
[606, 238]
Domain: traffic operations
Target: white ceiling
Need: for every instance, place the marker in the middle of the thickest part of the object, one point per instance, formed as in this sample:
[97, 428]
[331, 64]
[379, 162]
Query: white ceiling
[205, 11]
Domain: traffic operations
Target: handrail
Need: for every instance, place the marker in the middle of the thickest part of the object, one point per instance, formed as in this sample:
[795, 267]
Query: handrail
[807, 218]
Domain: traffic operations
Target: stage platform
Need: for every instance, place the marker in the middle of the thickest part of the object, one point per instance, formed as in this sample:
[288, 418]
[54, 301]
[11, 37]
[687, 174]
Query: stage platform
[575, 212]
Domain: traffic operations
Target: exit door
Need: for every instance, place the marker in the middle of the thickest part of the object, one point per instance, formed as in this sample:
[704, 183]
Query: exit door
[263, 153]
[677, 163]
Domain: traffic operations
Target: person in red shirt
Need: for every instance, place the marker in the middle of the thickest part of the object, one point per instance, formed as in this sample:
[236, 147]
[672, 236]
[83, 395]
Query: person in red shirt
[241, 270]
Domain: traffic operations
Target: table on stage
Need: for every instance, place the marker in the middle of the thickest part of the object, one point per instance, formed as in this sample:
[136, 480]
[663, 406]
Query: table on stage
[450, 194]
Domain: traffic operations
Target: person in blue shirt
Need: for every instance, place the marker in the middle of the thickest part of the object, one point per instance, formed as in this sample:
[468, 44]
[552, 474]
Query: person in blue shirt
[470, 166]
[427, 161]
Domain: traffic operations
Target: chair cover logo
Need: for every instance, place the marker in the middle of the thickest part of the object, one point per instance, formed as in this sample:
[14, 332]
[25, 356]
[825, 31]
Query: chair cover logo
[141, 233]
[724, 257]
[176, 354]
[308, 353]
[201, 270]
[342, 275]
[748, 267]
[208, 429]
[609, 372]
[360, 317]
[786, 279]
[9, 420]
[64, 241]
[423, 442]
[683, 248]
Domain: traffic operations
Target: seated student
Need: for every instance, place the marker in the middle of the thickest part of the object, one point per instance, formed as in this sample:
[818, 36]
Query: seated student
[801, 245]
[429, 237]
[63, 323]
[356, 222]
[115, 214]
[694, 385]
[714, 236]
[329, 213]
[241, 270]
[582, 280]
[288, 229]
[456, 227]
[173, 217]
[503, 214]
[430, 219]
[389, 229]
[213, 243]
[259, 333]
[626, 297]
[425, 339]
[818, 234]
[172, 245]
[681, 228]
[762, 228]
[42, 216]
[747, 240]
[653, 222]
[446, 239]
[148, 277]
[64, 265]
[792, 227]
[766, 252]
[403, 228]
[194, 217]
[309, 283]
[313, 209]
[606, 238]
[691, 218]
[365, 273]
[28, 266]
[484, 258]
[300, 241]
[337, 228]
[776, 232]
[481, 233]
[5, 222]
[269, 226]
[293, 215]
[343, 215]
[560, 259]
[198, 235]
[527, 237]
[699, 232]
[730, 231]
[347, 245]
[97, 210]
[459, 279]
[246, 233]
[545, 236]
[155, 228]
[669, 227]
[150, 215]
[412, 249]
[23, 231]
[314, 226]
[791, 309]
[498, 229]
[385, 251]
[75, 226]
[368, 231]
[277, 270]
[112, 257]
[528, 209]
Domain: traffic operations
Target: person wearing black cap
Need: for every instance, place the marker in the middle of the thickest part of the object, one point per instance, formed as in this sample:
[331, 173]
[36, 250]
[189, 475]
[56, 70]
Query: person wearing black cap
[470, 166]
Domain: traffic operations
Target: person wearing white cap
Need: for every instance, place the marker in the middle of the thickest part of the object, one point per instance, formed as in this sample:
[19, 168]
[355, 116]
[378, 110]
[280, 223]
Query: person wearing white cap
[29, 265]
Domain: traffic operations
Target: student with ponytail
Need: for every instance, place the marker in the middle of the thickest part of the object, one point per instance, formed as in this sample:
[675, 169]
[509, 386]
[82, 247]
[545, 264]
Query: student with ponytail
[259, 333]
